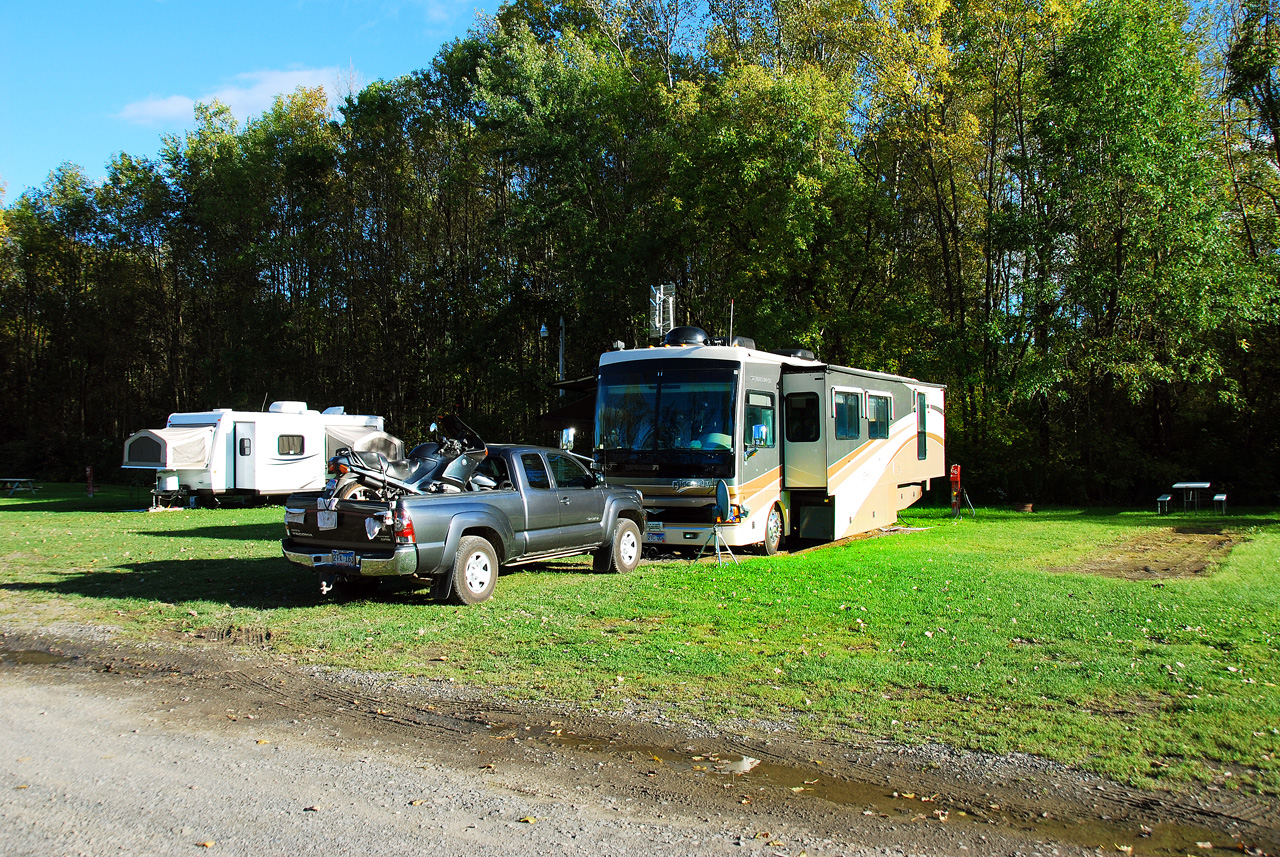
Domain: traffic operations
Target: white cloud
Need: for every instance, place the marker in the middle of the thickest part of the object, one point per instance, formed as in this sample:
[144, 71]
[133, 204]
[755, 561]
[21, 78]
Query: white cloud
[249, 95]
[158, 111]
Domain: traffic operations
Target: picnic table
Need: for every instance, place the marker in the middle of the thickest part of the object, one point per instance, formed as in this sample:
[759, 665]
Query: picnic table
[15, 484]
[1191, 493]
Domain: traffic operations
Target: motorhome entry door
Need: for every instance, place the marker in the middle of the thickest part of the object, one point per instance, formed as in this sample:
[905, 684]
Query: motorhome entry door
[243, 454]
[804, 430]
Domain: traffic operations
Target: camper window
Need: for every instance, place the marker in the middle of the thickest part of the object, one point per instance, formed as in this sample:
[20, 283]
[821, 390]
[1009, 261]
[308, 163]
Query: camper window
[922, 426]
[758, 430]
[879, 413]
[803, 417]
[291, 444]
[848, 410]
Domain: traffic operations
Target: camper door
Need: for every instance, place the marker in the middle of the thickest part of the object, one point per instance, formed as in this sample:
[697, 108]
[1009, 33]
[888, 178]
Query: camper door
[244, 454]
[804, 443]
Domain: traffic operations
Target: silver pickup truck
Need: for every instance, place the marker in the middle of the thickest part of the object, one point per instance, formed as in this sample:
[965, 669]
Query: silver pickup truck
[522, 504]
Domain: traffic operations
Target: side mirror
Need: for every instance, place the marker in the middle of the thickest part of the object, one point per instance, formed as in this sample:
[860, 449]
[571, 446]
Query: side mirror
[566, 438]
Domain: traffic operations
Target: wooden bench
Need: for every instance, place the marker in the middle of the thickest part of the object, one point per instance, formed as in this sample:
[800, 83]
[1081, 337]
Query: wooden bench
[1162, 504]
[1220, 503]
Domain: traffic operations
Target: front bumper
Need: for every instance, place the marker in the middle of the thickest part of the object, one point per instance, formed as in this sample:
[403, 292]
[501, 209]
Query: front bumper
[402, 562]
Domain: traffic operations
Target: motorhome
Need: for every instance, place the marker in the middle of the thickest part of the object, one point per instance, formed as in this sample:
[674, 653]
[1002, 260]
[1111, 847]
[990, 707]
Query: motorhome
[805, 448]
[211, 454]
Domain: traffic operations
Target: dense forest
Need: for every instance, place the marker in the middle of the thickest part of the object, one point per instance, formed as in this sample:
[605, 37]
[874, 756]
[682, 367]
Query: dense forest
[1068, 212]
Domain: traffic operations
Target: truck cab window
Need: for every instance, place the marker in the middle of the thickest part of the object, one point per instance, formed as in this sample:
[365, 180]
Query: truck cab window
[569, 473]
[535, 471]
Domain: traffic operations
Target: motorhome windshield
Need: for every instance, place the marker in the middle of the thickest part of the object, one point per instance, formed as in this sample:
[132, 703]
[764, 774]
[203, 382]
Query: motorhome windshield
[661, 419]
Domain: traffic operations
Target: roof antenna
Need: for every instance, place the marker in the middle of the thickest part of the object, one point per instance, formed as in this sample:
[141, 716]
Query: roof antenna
[264, 400]
[730, 342]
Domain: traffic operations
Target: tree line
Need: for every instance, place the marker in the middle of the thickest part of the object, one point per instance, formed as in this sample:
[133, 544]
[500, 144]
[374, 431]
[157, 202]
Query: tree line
[1066, 211]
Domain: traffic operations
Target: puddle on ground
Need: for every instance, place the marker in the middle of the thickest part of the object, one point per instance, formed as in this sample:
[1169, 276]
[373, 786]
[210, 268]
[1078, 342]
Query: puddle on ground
[747, 777]
[30, 657]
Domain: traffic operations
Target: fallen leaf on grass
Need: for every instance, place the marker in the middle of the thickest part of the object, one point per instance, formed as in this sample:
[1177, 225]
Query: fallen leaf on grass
[416, 802]
[529, 819]
[1205, 845]
[486, 767]
[262, 741]
[1125, 849]
[207, 844]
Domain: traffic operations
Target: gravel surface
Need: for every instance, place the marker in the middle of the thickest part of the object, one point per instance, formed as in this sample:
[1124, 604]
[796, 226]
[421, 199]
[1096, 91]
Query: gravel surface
[109, 749]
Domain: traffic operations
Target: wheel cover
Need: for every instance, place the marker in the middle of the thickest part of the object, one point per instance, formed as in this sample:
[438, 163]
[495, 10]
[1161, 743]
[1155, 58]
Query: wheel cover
[478, 572]
[628, 548]
[773, 528]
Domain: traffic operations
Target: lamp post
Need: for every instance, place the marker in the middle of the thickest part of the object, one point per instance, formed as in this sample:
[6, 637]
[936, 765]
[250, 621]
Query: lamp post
[543, 334]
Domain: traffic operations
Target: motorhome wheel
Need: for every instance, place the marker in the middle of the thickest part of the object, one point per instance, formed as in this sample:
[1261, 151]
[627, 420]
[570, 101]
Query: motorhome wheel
[773, 531]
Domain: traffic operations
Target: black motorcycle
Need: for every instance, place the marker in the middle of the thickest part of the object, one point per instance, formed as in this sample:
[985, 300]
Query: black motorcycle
[444, 465]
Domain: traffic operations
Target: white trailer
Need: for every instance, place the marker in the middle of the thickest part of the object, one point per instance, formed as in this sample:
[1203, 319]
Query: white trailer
[804, 447]
[210, 454]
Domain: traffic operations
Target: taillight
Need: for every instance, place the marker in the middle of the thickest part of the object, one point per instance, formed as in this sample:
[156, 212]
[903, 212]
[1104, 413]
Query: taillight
[336, 467]
[404, 528]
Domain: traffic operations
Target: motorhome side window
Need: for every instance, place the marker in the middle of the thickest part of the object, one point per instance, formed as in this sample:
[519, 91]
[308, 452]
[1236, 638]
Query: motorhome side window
[291, 444]
[535, 471]
[922, 426]
[879, 413]
[804, 417]
[759, 430]
[848, 415]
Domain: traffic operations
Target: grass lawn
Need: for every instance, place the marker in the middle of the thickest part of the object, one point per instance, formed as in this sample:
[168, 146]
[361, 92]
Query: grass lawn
[962, 633]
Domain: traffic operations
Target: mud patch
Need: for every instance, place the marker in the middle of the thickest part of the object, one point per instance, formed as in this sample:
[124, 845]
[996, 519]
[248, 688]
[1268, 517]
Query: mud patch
[241, 635]
[1187, 551]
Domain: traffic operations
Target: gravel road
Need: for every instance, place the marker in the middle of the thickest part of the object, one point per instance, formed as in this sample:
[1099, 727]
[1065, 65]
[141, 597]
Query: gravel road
[107, 749]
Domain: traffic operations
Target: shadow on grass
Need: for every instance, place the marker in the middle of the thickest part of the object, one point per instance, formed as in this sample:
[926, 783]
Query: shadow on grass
[266, 583]
[268, 532]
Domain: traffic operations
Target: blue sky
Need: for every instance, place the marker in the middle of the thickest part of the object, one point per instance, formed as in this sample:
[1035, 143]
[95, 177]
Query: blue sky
[81, 81]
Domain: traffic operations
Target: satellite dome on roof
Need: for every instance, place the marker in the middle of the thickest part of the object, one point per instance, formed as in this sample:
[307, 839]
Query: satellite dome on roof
[686, 336]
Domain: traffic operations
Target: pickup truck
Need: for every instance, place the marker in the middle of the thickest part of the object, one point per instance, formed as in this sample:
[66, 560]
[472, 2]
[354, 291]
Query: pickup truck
[524, 504]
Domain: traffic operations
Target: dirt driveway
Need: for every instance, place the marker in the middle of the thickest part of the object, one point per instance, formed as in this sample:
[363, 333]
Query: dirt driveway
[106, 748]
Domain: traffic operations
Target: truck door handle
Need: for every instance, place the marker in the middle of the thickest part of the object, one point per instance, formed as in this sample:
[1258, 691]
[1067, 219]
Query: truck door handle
[564, 501]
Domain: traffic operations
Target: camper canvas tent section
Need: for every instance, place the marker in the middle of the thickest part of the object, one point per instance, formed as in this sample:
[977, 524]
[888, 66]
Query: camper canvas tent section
[279, 451]
[804, 447]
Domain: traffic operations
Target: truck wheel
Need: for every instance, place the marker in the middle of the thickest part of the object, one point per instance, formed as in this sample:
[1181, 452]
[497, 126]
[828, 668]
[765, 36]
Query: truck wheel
[475, 571]
[773, 531]
[622, 554]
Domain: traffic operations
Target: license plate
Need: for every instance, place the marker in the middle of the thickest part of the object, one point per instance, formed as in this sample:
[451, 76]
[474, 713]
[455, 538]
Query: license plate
[346, 559]
[655, 537]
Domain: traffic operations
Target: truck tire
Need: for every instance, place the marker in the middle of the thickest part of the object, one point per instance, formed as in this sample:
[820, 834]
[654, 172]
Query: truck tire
[475, 571]
[773, 531]
[622, 554]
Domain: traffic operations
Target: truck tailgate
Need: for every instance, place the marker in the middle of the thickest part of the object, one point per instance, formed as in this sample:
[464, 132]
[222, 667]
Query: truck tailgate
[351, 530]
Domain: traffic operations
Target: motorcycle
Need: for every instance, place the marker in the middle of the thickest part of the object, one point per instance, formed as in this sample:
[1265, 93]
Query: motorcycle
[444, 465]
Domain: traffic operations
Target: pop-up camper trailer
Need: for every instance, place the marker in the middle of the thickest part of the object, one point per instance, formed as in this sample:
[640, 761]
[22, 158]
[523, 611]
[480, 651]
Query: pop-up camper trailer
[224, 452]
